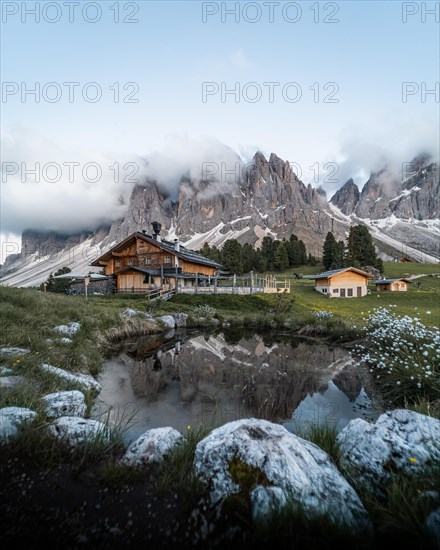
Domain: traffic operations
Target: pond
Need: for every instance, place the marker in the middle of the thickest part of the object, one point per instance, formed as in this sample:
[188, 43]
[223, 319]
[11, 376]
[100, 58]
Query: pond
[187, 379]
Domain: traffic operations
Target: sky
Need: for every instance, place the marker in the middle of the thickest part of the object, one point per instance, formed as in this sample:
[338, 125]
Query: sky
[125, 90]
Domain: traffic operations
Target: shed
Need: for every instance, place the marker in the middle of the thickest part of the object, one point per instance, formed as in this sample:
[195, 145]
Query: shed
[392, 285]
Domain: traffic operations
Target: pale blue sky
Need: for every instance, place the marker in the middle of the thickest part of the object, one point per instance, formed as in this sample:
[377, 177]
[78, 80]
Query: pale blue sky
[171, 52]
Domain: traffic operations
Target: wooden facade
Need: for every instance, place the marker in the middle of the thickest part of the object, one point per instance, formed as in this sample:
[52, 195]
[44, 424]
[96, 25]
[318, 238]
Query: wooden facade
[392, 285]
[349, 282]
[143, 262]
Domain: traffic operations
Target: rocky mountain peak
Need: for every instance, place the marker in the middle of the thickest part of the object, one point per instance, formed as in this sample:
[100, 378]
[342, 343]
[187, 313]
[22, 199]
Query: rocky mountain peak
[347, 197]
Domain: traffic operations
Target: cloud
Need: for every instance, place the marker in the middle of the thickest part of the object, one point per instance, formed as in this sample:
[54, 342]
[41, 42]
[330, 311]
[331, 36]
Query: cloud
[47, 188]
[364, 150]
[201, 160]
[68, 198]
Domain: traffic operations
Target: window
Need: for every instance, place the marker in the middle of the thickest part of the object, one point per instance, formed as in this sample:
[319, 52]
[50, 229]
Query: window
[130, 262]
[335, 290]
[117, 263]
[148, 260]
[349, 292]
[167, 260]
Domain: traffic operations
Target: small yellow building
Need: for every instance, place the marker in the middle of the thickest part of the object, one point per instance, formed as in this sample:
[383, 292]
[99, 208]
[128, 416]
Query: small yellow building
[392, 285]
[348, 282]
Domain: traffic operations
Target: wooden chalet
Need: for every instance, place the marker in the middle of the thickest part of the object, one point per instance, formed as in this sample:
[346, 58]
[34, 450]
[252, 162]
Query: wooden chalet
[392, 285]
[144, 262]
[348, 282]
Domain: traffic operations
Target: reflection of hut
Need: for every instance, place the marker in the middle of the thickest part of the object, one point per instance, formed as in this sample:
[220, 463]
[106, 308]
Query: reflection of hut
[392, 285]
[157, 365]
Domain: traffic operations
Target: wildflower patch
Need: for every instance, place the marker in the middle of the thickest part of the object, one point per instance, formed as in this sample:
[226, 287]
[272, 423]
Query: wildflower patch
[403, 356]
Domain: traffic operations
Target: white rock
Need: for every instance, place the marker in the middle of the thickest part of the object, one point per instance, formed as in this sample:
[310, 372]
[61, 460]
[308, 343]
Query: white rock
[267, 499]
[84, 380]
[135, 313]
[11, 418]
[180, 319]
[152, 446]
[297, 471]
[66, 340]
[74, 431]
[13, 352]
[7, 382]
[65, 403]
[4, 371]
[400, 441]
[167, 320]
[433, 527]
[70, 330]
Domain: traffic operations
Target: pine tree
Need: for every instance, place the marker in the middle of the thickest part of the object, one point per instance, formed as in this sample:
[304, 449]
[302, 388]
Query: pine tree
[302, 252]
[361, 251]
[329, 251]
[268, 247]
[58, 285]
[231, 256]
[339, 258]
[205, 250]
[248, 255]
[281, 258]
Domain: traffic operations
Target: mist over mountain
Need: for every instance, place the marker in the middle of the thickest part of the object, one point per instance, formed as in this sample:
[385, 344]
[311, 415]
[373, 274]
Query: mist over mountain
[212, 202]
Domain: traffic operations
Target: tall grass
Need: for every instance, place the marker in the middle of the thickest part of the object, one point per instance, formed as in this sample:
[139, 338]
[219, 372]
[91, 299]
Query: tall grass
[176, 472]
[323, 435]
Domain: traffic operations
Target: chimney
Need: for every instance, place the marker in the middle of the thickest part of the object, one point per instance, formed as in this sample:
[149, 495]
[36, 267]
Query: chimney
[176, 245]
[156, 229]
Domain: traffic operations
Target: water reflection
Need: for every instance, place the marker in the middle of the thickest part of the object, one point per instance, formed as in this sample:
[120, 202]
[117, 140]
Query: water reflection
[184, 379]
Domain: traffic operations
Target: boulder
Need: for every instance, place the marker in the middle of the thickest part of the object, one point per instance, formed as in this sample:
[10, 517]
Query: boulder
[65, 403]
[180, 320]
[70, 330]
[7, 382]
[86, 381]
[12, 352]
[75, 431]
[11, 418]
[136, 313]
[400, 441]
[275, 467]
[65, 340]
[5, 371]
[167, 320]
[152, 446]
[432, 526]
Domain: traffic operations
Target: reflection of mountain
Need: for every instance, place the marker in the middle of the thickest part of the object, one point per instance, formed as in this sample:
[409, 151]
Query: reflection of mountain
[247, 379]
[349, 382]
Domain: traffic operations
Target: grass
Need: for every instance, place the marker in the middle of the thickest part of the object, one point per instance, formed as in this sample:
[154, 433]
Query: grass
[323, 435]
[291, 527]
[399, 518]
[28, 317]
[424, 406]
[35, 444]
[176, 471]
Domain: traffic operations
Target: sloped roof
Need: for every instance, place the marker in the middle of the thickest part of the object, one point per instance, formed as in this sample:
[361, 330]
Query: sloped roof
[333, 272]
[385, 281]
[167, 246]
